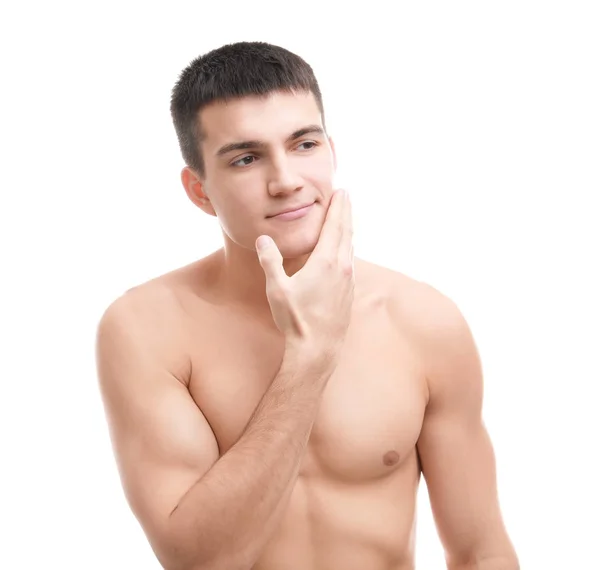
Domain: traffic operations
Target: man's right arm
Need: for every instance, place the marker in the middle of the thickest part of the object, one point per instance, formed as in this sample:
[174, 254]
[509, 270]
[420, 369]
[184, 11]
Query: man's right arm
[198, 510]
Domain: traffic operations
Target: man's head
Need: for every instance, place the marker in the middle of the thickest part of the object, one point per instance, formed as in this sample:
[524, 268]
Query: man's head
[268, 99]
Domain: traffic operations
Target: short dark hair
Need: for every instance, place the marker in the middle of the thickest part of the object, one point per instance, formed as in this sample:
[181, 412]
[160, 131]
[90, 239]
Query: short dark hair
[231, 72]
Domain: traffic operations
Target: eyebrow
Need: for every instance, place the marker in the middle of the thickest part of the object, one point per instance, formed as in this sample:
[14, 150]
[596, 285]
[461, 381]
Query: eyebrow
[244, 145]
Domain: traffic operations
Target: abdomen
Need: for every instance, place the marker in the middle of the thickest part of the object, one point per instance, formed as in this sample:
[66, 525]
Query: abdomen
[331, 525]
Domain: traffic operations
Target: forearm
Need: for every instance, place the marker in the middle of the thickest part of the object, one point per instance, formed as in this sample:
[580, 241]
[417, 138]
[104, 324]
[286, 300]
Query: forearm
[507, 562]
[226, 518]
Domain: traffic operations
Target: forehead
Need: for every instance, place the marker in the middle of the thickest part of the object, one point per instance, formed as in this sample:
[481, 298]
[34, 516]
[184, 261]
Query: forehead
[271, 117]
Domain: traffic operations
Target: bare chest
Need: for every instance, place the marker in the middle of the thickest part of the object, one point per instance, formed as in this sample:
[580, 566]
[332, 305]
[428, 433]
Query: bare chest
[371, 411]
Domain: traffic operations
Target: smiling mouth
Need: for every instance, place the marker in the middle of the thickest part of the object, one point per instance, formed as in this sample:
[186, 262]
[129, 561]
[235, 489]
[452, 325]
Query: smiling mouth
[293, 214]
[293, 210]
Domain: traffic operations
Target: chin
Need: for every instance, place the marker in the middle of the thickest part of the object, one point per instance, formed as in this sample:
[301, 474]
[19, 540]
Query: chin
[291, 249]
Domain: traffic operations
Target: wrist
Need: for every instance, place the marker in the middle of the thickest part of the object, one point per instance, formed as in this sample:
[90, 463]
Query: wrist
[305, 354]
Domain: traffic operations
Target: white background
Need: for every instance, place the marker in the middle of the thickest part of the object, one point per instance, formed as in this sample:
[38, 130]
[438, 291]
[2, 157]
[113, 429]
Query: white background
[468, 134]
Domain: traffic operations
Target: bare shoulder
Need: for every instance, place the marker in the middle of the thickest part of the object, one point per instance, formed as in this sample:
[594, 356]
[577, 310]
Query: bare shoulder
[148, 305]
[161, 299]
[149, 318]
[435, 327]
[417, 306]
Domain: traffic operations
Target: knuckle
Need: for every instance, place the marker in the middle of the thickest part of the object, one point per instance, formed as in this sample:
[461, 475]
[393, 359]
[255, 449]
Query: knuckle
[328, 261]
[278, 293]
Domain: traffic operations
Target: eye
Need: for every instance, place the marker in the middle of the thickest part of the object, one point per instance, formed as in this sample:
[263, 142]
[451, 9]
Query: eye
[240, 162]
[314, 144]
[250, 158]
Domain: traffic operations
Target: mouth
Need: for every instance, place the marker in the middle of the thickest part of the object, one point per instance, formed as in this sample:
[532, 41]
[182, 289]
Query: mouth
[293, 214]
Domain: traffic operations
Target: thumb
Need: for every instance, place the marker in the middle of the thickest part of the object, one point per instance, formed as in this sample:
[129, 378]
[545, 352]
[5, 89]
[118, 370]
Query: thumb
[270, 258]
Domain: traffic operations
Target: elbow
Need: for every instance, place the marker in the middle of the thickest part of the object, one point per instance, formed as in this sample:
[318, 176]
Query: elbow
[507, 562]
[221, 563]
[183, 548]
[199, 559]
[496, 552]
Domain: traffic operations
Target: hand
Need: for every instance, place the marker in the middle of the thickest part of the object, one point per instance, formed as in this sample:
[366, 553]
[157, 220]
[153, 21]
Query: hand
[314, 305]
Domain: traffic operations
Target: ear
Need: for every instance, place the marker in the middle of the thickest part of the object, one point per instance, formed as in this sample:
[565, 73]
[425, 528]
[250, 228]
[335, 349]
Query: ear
[334, 155]
[194, 188]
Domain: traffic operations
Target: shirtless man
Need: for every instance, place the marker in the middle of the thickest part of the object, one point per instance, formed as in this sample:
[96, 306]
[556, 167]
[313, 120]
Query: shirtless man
[274, 409]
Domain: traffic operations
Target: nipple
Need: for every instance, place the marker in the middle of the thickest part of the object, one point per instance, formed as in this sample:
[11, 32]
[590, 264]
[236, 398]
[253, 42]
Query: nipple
[391, 458]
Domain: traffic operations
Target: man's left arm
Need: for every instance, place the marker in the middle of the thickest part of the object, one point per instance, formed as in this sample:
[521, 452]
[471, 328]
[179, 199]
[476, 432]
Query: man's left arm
[455, 450]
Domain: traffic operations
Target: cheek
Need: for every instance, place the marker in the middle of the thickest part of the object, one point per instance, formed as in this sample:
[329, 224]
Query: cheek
[322, 176]
[240, 220]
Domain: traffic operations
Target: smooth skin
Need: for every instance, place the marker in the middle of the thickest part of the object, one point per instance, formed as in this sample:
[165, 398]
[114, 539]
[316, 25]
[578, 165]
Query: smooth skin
[275, 409]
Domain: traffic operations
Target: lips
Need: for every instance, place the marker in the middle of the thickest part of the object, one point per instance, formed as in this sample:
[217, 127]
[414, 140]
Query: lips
[292, 209]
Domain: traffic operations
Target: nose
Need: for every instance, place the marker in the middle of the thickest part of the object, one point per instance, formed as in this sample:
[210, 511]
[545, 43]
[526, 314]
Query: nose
[283, 179]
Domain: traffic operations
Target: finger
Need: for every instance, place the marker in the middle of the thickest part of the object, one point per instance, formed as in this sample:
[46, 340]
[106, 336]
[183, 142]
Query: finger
[271, 260]
[331, 232]
[346, 248]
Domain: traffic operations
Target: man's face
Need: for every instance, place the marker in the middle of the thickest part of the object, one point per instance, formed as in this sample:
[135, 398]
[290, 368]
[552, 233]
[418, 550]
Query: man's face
[288, 161]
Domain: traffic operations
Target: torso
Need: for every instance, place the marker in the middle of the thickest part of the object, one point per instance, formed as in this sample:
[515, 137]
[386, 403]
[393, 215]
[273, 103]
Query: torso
[353, 504]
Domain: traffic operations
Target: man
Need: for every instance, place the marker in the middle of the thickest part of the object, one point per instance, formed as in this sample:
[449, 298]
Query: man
[273, 407]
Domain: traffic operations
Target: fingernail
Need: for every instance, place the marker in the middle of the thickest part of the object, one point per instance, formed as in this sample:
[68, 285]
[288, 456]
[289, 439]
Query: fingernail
[262, 242]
